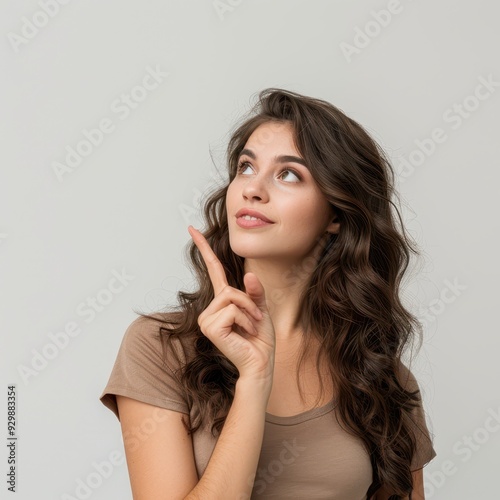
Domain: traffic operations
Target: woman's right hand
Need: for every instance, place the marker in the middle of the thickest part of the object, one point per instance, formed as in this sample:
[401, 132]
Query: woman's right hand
[238, 323]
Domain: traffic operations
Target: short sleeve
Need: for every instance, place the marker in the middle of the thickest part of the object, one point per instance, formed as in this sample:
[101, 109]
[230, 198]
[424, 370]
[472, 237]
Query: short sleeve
[141, 372]
[425, 450]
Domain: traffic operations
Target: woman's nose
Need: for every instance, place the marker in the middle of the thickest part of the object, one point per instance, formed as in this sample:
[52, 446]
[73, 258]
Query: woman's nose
[256, 188]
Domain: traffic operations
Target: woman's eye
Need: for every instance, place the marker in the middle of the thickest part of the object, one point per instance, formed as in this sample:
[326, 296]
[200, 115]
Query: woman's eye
[293, 173]
[242, 167]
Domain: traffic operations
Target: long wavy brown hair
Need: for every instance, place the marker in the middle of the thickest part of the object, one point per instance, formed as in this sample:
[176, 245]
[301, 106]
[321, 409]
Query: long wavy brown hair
[351, 302]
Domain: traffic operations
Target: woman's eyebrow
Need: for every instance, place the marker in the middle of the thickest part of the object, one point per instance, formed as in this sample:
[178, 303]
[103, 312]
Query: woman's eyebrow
[278, 158]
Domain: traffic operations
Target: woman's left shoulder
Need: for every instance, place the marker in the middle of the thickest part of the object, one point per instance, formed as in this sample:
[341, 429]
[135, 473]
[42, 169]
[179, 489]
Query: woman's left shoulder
[405, 376]
[425, 451]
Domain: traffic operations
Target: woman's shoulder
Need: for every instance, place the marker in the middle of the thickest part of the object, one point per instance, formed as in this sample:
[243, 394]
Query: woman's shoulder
[146, 368]
[418, 421]
[148, 333]
[405, 376]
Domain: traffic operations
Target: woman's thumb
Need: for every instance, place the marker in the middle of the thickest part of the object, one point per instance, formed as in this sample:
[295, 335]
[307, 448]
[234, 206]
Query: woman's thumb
[255, 289]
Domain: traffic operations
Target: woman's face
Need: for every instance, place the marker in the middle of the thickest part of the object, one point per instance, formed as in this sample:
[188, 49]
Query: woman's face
[272, 180]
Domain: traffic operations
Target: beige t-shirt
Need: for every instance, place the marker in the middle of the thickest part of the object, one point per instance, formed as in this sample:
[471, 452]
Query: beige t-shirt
[307, 455]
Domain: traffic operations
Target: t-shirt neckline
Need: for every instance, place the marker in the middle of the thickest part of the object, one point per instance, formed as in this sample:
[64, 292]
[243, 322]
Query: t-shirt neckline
[301, 417]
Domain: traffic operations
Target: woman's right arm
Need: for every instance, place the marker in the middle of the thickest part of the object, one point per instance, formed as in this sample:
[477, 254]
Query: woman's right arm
[231, 470]
[161, 463]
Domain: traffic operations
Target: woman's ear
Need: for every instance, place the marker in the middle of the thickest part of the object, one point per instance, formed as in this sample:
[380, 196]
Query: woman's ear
[334, 226]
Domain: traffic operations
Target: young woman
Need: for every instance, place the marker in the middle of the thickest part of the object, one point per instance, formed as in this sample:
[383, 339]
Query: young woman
[281, 376]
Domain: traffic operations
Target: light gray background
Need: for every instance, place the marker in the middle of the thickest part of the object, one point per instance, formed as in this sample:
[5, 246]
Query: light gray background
[129, 202]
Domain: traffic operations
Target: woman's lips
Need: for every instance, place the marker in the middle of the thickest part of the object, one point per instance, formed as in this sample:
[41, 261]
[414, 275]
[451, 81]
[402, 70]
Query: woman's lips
[252, 213]
[248, 223]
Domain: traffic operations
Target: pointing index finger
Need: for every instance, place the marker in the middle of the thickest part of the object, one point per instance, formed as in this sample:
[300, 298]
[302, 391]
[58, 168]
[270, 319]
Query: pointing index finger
[214, 266]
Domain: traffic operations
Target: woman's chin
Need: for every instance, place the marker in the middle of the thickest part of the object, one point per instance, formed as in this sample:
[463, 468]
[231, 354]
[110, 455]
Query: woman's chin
[245, 252]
